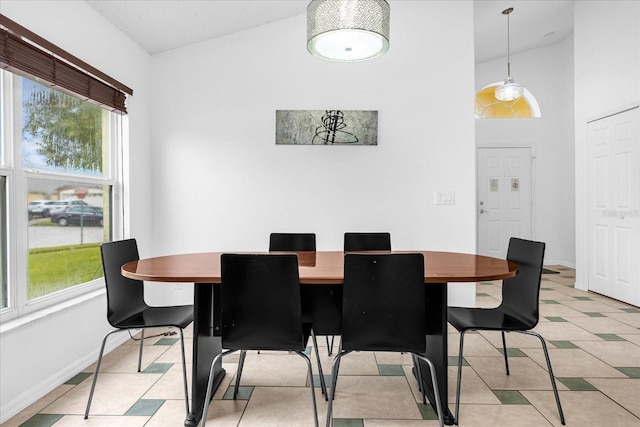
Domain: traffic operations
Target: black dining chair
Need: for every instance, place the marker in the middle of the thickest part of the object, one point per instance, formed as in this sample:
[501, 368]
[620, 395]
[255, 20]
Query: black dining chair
[384, 310]
[367, 242]
[518, 311]
[298, 242]
[358, 241]
[292, 242]
[261, 310]
[127, 310]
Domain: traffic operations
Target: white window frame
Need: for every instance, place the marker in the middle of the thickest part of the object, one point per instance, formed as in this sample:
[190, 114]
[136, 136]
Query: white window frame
[11, 166]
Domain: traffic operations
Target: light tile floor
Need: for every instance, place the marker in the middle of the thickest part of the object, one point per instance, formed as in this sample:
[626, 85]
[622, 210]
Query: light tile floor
[594, 343]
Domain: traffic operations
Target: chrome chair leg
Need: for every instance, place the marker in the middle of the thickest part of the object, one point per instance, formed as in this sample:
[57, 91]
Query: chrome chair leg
[243, 355]
[334, 381]
[504, 347]
[551, 376]
[330, 346]
[323, 386]
[184, 372]
[313, 392]
[95, 375]
[207, 399]
[434, 383]
[460, 358]
[141, 346]
[416, 366]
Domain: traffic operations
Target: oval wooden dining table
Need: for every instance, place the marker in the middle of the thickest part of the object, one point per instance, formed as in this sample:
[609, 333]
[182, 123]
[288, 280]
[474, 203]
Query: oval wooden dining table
[321, 277]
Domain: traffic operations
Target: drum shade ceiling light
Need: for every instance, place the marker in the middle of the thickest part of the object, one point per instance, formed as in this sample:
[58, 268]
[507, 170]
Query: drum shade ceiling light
[348, 30]
[509, 90]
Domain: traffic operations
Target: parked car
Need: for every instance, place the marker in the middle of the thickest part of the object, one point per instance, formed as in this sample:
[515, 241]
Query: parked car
[89, 215]
[39, 208]
[59, 206]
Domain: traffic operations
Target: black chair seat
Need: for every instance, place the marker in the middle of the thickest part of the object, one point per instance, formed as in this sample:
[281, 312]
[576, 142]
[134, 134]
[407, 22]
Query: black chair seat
[484, 319]
[179, 317]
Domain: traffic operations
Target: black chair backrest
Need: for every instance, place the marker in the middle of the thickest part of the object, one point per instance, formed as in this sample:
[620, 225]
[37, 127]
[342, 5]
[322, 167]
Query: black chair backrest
[125, 297]
[520, 294]
[260, 300]
[367, 242]
[384, 303]
[292, 242]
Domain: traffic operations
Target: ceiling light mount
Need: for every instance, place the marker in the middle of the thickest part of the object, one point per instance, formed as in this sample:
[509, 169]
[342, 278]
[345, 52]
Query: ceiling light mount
[348, 30]
[509, 90]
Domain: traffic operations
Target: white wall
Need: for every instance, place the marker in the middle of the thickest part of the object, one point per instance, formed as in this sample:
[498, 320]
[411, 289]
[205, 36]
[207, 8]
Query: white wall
[547, 73]
[39, 353]
[607, 80]
[221, 183]
[229, 185]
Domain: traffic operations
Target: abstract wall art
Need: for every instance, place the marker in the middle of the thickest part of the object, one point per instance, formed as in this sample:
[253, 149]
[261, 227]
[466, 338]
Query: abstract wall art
[326, 127]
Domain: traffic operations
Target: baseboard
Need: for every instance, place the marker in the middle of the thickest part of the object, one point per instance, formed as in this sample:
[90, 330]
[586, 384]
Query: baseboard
[21, 402]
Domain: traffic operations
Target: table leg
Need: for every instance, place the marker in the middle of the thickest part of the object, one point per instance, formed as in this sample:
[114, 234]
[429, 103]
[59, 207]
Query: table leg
[436, 303]
[207, 344]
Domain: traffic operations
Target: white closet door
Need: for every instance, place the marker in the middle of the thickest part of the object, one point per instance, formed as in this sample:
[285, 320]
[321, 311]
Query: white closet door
[614, 206]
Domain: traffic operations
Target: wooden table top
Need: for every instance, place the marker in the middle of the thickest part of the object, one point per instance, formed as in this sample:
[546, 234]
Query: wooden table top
[322, 267]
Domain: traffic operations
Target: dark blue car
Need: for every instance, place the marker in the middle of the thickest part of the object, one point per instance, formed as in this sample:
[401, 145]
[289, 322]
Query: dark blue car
[89, 215]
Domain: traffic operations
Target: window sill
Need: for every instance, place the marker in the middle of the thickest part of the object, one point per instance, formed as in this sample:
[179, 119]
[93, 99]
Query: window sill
[13, 324]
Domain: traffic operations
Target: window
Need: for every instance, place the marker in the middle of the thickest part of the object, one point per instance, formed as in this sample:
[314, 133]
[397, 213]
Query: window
[61, 125]
[60, 153]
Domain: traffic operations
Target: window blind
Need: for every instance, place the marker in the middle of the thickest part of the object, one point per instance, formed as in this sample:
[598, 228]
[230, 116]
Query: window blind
[27, 54]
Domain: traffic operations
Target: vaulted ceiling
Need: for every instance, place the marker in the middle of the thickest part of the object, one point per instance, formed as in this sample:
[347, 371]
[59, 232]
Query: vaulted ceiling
[160, 25]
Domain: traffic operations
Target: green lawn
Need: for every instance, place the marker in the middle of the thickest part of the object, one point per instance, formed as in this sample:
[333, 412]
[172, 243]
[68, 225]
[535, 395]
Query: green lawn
[56, 268]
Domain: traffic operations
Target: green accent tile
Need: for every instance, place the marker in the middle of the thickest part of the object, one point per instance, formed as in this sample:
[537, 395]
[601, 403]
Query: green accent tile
[157, 368]
[482, 294]
[427, 411]
[563, 344]
[145, 407]
[390, 370]
[348, 422]
[513, 352]
[549, 301]
[546, 289]
[167, 341]
[630, 310]
[327, 380]
[594, 314]
[486, 283]
[577, 384]
[555, 319]
[78, 378]
[584, 299]
[307, 350]
[632, 372]
[610, 337]
[244, 392]
[511, 397]
[453, 361]
[42, 420]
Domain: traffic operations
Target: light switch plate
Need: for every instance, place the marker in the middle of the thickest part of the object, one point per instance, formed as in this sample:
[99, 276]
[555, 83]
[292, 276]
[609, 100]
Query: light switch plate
[444, 197]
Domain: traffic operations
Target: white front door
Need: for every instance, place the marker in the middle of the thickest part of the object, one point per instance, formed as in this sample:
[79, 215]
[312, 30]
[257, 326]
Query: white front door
[614, 206]
[504, 198]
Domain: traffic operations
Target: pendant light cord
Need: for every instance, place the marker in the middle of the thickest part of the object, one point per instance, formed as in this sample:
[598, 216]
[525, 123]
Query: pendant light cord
[508, 46]
[508, 12]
